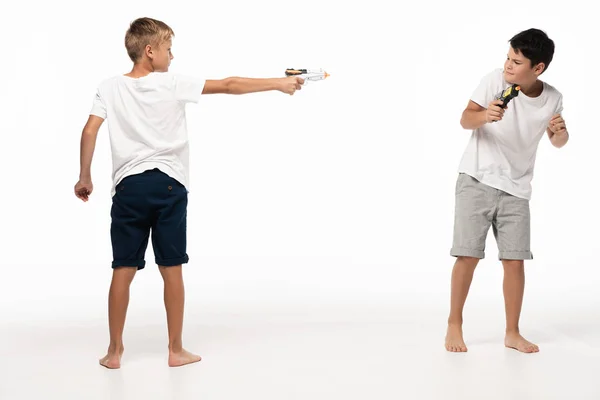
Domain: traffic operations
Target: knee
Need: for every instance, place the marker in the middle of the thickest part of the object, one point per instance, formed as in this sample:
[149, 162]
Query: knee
[468, 260]
[172, 273]
[122, 277]
[511, 265]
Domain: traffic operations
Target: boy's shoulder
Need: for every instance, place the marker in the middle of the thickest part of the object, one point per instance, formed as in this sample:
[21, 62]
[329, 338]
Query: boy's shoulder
[150, 76]
[490, 84]
[552, 90]
[161, 78]
[108, 82]
[493, 81]
[496, 74]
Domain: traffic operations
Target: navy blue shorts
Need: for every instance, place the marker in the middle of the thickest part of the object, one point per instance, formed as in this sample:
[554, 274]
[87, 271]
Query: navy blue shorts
[149, 202]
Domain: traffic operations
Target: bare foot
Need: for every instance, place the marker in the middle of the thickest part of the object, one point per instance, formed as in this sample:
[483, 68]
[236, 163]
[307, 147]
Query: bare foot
[181, 358]
[112, 360]
[454, 339]
[514, 340]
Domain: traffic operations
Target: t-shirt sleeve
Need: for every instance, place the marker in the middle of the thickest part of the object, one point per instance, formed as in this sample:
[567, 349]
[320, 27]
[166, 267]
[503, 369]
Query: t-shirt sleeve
[485, 92]
[559, 105]
[98, 106]
[188, 89]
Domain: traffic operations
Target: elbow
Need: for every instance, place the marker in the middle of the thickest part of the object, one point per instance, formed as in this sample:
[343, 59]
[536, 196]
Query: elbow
[472, 119]
[232, 85]
[463, 123]
[228, 86]
[89, 133]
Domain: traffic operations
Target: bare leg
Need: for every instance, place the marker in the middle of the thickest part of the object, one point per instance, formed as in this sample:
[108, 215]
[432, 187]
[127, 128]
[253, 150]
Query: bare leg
[118, 301]
[174, 305]
[462, 275]
[514, 288]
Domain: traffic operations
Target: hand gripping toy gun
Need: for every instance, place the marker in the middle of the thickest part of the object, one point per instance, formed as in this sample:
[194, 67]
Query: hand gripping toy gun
[509, 93]
[309, 75]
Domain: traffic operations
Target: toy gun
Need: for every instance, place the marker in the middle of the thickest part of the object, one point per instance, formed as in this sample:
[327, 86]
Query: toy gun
[509, 93]
[311, 75]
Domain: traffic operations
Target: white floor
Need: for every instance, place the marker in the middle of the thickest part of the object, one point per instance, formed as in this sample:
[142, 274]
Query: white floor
[392, 351]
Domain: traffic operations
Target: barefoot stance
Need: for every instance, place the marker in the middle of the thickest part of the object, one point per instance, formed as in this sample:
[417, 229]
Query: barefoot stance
[112, 360]
[182, 358]
[454, 339]
[518, 342]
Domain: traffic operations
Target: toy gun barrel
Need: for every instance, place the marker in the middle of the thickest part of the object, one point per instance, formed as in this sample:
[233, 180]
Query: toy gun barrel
[509, 94]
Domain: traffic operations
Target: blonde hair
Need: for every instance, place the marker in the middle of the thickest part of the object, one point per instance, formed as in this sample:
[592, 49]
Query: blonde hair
[145, 31]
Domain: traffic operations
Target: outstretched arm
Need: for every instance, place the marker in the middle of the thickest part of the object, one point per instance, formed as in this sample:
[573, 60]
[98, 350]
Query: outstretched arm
[237, 85]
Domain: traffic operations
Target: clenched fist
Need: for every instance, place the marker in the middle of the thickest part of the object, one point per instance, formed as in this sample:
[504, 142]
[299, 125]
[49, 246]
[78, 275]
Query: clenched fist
[494, 111]
[290, 84]
[83, 189]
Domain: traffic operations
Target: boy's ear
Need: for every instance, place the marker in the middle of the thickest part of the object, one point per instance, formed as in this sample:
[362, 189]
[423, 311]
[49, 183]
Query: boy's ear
[539, 68]
[148, 51]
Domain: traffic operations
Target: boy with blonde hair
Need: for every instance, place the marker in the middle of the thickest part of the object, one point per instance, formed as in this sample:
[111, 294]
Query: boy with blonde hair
[145, 110]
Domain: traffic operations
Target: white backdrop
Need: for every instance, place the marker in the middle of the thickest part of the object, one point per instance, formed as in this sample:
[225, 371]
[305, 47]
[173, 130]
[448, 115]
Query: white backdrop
[342, 192]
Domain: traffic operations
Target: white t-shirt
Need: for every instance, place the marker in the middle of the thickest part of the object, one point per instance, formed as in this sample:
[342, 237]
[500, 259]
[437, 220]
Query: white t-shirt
[502, 154]
[147, 123]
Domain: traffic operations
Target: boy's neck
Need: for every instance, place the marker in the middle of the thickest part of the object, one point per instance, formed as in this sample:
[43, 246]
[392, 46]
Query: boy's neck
[139, 70]
[533, 89]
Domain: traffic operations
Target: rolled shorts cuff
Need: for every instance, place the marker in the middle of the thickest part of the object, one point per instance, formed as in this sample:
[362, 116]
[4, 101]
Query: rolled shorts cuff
[171, 262]
[515, 255]
[461, 252]
[140, 264]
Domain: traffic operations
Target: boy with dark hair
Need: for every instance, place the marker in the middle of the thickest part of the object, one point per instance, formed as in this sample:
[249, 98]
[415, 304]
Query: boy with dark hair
[494, 182]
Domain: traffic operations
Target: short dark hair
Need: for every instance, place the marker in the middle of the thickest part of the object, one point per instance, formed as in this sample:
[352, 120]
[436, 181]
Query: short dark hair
[535, 45]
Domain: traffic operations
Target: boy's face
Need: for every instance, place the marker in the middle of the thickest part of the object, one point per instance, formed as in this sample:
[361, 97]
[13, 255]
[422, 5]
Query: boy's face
[518, 69]
[162, 56]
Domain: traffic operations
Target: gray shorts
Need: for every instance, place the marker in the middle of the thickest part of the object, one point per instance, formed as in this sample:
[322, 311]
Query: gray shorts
[479, 206]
